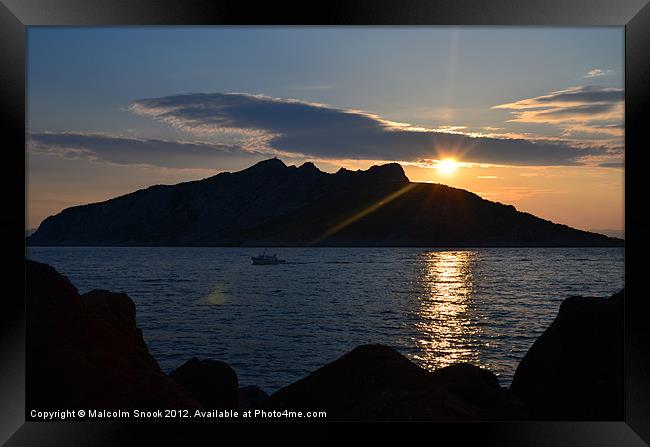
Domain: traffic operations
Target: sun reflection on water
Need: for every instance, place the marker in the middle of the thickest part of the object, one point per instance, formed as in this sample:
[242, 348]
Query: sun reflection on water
[446, 331]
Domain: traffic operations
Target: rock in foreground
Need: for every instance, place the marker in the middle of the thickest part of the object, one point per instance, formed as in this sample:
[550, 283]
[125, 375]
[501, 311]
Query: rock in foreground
[574, 371]
[375, 382]
[211, 382]
[85, 351]
[252, 397]
[480, 389]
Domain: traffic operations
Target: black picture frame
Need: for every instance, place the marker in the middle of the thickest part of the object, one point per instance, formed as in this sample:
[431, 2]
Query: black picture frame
[16, 15]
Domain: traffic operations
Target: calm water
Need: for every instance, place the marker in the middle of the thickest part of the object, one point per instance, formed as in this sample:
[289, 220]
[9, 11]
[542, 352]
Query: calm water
[275, 324]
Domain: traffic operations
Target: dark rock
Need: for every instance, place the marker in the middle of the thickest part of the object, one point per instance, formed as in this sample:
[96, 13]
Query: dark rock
[252, 397]
[116, 308]
[480, 389]
[211, 382]
[272, 204]
[375, 382]
[84, 353]
[574, 371]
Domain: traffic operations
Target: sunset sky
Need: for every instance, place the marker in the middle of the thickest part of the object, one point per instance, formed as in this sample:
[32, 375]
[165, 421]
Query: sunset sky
[526, 116]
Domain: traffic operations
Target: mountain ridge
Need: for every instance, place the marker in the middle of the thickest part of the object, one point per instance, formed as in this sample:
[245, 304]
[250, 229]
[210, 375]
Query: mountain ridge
[272, 204]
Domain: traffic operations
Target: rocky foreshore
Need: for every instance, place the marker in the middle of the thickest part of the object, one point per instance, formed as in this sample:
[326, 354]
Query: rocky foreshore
[85, 351]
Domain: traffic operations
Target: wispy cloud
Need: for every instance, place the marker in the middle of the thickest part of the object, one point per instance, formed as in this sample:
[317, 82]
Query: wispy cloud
[106, 148]
[585, 104]
[619, 165]
[301, 128]
[596, 72]
[509, 194]
[613, 130]
[587, 113]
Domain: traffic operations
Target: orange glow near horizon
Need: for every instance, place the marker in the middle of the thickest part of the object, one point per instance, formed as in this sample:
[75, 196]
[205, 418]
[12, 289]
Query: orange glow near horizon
[583, 197]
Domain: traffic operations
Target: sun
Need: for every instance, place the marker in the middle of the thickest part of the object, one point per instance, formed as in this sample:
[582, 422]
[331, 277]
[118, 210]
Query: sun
[447, 166]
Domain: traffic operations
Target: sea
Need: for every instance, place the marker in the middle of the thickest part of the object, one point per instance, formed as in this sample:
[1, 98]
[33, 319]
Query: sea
[275, 324]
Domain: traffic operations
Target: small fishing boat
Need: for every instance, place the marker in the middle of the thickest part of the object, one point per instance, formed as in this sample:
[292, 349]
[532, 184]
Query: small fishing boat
[267, 260]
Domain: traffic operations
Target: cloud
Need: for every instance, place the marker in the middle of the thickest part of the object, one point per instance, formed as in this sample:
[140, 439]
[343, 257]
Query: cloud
[585, 115]
[300, 128]
[596, 72]
[509, 194]
[619, 164]
[584, 105]
[613, 130]
[132, 151]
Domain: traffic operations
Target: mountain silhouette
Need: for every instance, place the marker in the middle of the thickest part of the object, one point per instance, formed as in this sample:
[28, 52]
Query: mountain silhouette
[271, 204]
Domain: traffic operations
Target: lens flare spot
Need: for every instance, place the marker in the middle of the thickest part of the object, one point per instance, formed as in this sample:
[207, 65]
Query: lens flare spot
[214, 298]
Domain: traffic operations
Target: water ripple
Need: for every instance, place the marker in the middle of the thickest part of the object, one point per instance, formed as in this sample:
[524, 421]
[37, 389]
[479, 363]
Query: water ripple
[275, 324]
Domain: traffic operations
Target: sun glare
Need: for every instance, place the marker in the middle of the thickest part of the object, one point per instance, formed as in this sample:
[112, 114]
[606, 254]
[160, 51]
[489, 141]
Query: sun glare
[447, 166]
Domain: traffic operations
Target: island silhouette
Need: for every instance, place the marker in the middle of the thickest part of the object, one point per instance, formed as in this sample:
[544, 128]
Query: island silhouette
[272, 204]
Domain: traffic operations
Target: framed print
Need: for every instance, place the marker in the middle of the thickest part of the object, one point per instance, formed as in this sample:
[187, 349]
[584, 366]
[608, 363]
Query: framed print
[393, 217]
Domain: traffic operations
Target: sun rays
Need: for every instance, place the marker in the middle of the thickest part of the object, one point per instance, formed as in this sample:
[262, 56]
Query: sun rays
[363, 213]
[447, 166]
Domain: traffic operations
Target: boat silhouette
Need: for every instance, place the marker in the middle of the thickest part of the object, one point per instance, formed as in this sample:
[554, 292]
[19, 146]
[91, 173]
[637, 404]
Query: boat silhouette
[264, 259]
